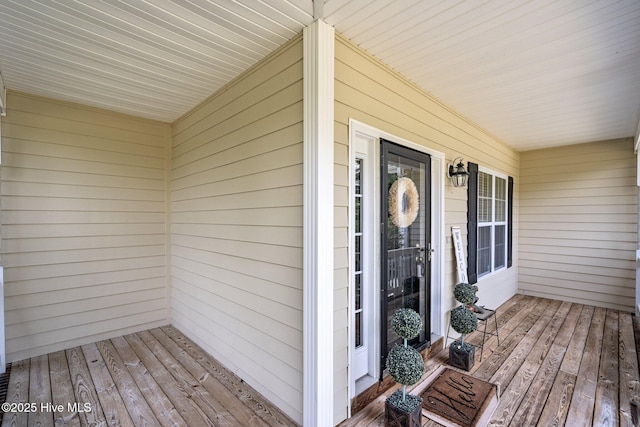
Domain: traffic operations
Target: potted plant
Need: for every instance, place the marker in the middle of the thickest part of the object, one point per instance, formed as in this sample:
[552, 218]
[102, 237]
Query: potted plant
[463, 321]
[405, 365]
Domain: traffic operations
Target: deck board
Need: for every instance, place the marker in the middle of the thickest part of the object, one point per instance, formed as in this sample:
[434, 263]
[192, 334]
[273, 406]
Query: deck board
[558, 364]
[151, 378]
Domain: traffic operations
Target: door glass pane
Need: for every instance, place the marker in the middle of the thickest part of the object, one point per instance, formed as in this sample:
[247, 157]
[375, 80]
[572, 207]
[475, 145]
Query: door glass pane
[406, 240]
[358, 261]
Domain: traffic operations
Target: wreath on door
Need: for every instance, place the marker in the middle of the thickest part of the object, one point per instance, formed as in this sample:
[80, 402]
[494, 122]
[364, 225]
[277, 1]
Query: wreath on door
[404, 202]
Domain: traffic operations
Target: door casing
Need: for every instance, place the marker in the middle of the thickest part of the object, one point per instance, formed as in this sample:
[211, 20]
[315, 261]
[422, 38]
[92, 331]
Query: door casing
[372, 135]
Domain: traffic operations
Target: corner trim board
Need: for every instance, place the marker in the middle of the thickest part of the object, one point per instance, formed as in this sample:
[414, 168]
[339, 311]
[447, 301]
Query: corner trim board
[318, 245]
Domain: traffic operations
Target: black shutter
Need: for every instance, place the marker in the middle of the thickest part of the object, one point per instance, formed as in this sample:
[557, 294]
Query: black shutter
[472, 223]
[510, 223]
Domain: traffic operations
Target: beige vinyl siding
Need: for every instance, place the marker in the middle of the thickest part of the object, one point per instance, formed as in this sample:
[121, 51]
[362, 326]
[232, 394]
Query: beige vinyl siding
[370, 92]
[236, 229]
[83, 224]
[578, 223]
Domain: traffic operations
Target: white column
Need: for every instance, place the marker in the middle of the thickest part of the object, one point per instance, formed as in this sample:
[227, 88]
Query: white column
[318, 225]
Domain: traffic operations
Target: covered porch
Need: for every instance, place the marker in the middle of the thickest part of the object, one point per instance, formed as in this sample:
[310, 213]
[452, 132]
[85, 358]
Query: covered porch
[558, 363]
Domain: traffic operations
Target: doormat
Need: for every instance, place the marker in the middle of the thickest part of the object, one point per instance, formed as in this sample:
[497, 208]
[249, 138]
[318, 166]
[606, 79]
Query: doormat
[453, 398]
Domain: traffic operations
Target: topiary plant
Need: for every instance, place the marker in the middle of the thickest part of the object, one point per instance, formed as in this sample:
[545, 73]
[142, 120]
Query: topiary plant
[405, 363]
[463, 321]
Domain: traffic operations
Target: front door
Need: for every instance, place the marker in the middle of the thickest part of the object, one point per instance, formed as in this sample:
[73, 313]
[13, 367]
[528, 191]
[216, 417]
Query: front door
[405, 247]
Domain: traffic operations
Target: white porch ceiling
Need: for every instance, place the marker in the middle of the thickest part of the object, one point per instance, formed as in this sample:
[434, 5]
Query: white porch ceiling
[534, 73]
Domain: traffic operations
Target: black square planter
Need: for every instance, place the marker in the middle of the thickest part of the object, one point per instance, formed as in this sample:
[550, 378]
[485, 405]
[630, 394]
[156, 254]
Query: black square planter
[462, 356]
[396, 417]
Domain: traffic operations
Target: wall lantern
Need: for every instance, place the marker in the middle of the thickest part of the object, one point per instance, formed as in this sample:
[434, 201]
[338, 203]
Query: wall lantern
[458, 173]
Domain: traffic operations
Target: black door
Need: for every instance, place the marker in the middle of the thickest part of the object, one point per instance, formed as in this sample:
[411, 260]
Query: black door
[406, 225]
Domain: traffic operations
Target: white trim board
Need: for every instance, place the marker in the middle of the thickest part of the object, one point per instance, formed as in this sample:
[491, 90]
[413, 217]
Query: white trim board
[318, 250]
[438, 168]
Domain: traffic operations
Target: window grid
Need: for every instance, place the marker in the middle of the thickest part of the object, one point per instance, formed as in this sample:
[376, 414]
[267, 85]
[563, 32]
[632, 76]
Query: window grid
[492, 225]
[358, 253]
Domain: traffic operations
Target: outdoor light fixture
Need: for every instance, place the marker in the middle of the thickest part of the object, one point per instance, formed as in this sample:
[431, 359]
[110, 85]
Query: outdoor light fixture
[458, 173]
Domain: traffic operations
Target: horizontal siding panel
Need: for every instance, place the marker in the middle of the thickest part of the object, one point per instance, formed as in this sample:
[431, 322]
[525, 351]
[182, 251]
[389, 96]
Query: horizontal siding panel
[83, 224]
[597, 236]
[588, 217]
[281, 138]
[20, 322]
[72, 178]
[592, 261]
[87, 166]
[79, 191]
[617, 178]
[277, 216]
[54, 296]
[285, 276]
[584, 242]
[282, 177]
[560, 276]
[236, 233]
[57, 217]
[29, 231]
[553, 193]
[270, 96]
[572, 268]
[29, 203]
[197, 210]
[120, 138]
[87, 115]
[570, 226]
[269, 253]
[25, 259]
[578, 223]
[80, 268]
[254, 285]
[51, 144]
[227, 169]
[245, 308]
[45, 342]
[77, 283]
[621, 288]
[284, 382]
[626, 208]
[275, 121]
[281, 236]
[26, 137]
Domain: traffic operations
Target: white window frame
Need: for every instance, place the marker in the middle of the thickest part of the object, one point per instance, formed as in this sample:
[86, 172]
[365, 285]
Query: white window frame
[493, 223]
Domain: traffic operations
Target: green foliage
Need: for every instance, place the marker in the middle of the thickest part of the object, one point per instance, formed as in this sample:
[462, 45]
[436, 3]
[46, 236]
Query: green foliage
[406, 403]
[407, 323]
[405, 364]
[463, 320]
[465, 293]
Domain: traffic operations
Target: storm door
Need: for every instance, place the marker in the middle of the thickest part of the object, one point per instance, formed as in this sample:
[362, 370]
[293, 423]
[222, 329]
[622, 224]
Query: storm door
[405, 246]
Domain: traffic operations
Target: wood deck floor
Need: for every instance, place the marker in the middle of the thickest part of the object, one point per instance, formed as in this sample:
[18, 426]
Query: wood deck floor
[152, 378]
[558, 364]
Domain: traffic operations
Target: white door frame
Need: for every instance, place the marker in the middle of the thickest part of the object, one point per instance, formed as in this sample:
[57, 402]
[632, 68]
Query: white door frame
[361, 131]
